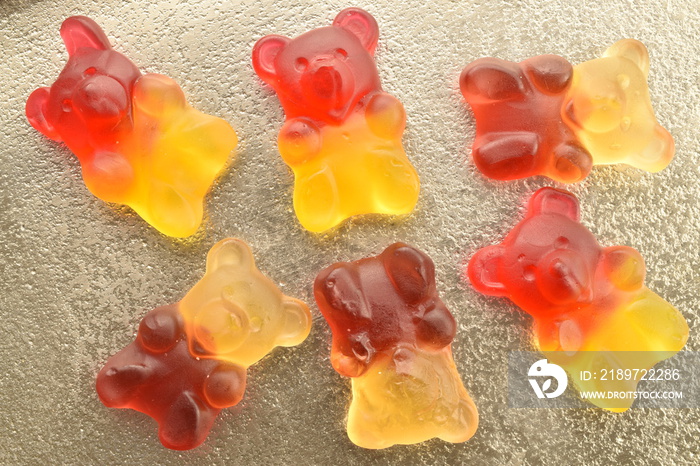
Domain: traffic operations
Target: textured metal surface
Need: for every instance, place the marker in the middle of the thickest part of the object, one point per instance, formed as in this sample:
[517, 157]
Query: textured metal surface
[78, 274]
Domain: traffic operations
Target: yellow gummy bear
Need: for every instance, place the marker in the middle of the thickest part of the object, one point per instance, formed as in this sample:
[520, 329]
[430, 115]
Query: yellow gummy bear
[357, 167]
[236, 314]
[609, 109]
[635, 335]
[411, 397]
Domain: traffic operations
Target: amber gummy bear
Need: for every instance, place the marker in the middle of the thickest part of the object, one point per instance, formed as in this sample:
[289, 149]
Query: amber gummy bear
[392, 335]
[342, 135]
[587, 301]
[189, 359]
[138, 141]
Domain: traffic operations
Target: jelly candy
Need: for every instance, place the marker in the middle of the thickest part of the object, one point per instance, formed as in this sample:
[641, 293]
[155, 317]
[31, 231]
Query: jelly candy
[519, 128]
[189, 359]
[545, 117]
[392, 335]
[342, 137]
[138, 141]
[236, 314]
[157, 375]
[609, 109]
[583, 298]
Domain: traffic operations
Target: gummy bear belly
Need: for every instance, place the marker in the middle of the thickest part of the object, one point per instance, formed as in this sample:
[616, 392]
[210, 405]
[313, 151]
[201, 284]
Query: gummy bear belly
[355, 172]
[410, 400]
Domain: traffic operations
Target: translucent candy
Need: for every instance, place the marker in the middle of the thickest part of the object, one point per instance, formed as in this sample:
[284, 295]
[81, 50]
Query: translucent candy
[583, 297]
[189, 359]
[544, 117]
[342, 137]
[392, 335]
[138, 141]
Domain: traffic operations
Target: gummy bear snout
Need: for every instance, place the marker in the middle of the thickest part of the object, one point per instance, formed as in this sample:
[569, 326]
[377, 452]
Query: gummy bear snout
[330, 81]
[101, 98]
[563, 277]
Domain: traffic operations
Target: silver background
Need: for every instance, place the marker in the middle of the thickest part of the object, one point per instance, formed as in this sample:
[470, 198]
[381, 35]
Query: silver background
[78, 274]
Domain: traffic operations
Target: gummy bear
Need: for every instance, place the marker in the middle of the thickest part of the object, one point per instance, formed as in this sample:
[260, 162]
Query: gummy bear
[157, 375]
[236, 314]
[584, 298]
[609, 108]
[189, 359]
[342, 137]
[392, 335]
[138, 141]
[519, 128]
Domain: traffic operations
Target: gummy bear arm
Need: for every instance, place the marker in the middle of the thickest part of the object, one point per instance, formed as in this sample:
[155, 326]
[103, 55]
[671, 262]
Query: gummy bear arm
[624, 267]
[35, 109]
[299, 141]
[437, 328]
[348, 366]
[158, 95]
[386, 116]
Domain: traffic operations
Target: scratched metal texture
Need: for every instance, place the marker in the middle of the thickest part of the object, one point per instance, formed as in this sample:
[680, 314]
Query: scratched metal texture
[78, 274]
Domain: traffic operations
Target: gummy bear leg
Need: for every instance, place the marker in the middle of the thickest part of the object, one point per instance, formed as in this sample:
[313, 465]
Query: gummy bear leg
[116, 386]
[316, 201]
[506, 156]
[187, 423]
[397, 186]
[170, 212]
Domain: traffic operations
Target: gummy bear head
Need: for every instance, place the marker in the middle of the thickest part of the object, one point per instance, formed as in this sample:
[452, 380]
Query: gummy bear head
[381, 303]
[547, 263]
[238, 315]
[609, 108]
[91, 96]
[323, 73]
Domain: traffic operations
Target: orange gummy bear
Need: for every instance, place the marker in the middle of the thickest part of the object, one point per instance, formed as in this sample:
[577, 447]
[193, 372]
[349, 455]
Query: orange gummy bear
[585, 299]
[392, 335]
[189, 359]
[138, 141]
[342, 137]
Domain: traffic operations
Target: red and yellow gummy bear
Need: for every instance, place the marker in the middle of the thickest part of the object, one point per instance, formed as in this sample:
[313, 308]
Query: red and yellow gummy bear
[138, 141]
[545, 117]
[585, 299]
[189, 359]
[342, 137]
[392, 335]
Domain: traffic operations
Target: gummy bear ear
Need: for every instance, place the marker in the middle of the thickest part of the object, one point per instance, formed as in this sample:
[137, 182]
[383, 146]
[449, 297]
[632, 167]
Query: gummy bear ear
[554, 201]
[35, 109]
[633, 50]
[361, 24]
[230, 252]
[81, 31]
[297, 324]
[265, 51]
[411, 272]
[483, 271]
